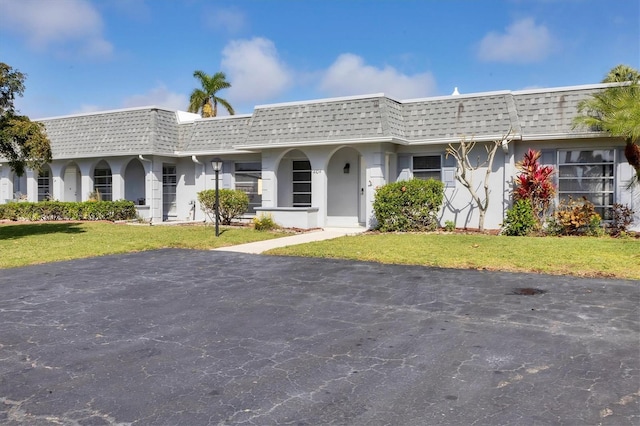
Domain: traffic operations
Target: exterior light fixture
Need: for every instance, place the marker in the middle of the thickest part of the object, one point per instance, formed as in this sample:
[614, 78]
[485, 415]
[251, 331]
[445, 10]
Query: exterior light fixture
[216, 163]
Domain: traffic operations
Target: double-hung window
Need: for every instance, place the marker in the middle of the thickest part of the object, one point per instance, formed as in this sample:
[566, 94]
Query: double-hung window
[589, 174]
[427, 167]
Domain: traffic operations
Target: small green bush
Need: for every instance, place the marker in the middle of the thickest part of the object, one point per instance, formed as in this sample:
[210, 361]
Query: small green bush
[59, 210]
[264, 222]
[233, 204]
[520, 220]
[408, 205]
[449, 226]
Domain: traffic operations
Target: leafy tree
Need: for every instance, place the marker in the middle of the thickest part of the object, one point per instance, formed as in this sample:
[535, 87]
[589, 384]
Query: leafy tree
[616, 110]
[621, 73]
[202, 98]
[22, 142]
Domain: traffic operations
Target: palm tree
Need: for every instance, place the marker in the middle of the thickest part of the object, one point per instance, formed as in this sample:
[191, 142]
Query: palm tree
[201, 98]
[616, 110]
[621, 73]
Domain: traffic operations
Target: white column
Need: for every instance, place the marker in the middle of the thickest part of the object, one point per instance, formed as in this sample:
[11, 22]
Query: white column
[269, 180]
[32, 186]
[57, 190]
[86, 179]
[117, 180]
[6, 184]
[154, 189]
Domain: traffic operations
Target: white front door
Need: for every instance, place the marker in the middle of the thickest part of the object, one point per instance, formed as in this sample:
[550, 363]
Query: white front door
[71, 184]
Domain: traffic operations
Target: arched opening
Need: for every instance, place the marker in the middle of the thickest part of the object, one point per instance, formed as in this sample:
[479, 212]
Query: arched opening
[344, 193]
[102, 181]
[294, 180]
[134, 182]
[44, 184]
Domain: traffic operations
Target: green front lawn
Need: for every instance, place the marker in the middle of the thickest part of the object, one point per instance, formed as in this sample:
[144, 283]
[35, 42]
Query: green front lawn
[31, 243]
[581, 256]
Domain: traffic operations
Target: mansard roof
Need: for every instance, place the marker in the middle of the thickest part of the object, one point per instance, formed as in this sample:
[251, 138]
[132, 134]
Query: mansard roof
[109, 133]
[530, 114]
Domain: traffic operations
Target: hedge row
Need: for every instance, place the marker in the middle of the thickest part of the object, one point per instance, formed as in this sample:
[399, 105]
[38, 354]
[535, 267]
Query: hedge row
[58, 210]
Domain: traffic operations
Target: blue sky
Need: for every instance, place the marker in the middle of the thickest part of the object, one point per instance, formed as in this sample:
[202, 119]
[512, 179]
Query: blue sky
[91, 55]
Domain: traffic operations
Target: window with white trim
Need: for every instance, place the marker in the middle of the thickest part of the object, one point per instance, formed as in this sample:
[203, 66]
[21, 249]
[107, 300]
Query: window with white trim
[169, 186]
[44, 185]
[589, 174]
[427, 167]
[102, 182]
[301, 183]
[248, 178]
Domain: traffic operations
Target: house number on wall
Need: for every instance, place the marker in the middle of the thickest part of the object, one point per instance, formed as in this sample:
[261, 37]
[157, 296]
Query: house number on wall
[316, 172]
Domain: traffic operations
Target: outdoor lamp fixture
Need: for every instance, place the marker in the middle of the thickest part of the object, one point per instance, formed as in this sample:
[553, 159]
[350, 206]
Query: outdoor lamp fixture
[347, 167]
[216, 163]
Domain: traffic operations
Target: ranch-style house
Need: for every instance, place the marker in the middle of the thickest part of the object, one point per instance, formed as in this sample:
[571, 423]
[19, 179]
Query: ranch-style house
[318, 163]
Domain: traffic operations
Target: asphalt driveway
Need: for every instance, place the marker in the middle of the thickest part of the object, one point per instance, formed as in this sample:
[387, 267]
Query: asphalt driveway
[178, 337]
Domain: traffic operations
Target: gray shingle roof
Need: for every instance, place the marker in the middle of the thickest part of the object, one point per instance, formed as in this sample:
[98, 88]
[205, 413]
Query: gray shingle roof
[550, 112]
[329, 120]
[535, 113]
[214, 134]
[132, 131]
[455, 117]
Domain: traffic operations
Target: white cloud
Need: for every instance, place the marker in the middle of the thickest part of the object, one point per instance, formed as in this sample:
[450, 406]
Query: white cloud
[523, 42]
[58, 24]
[254, 70]
[158, 96]
[349, 75]
[230, 20]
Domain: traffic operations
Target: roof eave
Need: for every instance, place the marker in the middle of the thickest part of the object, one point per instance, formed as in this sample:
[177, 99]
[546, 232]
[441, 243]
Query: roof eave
[213, 152]
[395, 140]
[456, 139]
[560, 136]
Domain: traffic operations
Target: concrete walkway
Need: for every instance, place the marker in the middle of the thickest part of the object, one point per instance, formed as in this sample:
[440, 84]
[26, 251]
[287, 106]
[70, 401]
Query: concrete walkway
[319, 235]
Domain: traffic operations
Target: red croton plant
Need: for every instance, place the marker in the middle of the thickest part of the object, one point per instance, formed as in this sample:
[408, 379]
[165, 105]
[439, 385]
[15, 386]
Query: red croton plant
[534, 183]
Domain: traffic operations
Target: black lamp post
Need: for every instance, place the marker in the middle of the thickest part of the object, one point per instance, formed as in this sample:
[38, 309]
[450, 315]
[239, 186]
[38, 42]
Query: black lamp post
[216, 163]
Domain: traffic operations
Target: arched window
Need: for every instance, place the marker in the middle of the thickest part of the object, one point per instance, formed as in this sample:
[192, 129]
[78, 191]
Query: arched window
[44, 184]
[102, 181]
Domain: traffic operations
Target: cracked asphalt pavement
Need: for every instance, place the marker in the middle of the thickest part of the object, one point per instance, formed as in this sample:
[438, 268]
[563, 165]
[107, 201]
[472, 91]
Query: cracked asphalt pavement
[183, 337]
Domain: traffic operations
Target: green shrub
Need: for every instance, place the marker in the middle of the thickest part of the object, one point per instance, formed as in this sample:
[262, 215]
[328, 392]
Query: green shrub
[520, 220]
[534, 183]
[59, 210]
[233, 204]
[575, 218]
[264, 222]
[449, 226]
[408, 205]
